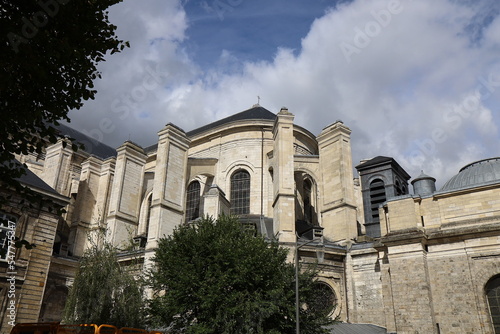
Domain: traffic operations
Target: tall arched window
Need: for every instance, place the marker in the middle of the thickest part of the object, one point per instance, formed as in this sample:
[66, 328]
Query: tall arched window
[193, 201]
[240, 193]
[305, 198]
[377, 197]
[492, 290]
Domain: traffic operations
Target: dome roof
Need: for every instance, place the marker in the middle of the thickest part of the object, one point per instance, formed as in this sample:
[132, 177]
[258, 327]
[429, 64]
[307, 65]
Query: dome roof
[475, 174]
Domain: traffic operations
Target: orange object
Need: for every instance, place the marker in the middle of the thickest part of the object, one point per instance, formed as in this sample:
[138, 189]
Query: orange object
[57, 328]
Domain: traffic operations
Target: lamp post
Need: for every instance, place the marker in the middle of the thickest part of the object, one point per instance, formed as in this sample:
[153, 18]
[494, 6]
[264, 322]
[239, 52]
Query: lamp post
[317, 236]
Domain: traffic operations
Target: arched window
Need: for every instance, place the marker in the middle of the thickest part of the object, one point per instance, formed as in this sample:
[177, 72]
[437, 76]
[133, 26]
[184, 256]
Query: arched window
[377, 197]
[193, 201]
[240, 193]
[492, 290]
[399, 191]
[305, 198]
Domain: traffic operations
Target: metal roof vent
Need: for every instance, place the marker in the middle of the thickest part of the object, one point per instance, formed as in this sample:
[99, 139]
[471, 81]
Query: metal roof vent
[424, 184]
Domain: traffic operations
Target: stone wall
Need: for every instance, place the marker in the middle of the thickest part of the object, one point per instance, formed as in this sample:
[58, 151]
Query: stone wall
[441, 251]
[364, 287]
[23, 276]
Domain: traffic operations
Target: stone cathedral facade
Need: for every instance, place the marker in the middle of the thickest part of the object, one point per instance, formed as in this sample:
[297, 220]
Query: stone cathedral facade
[421, 261]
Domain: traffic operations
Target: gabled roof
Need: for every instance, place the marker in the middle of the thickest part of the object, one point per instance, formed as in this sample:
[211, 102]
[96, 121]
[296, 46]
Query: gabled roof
[256, 112]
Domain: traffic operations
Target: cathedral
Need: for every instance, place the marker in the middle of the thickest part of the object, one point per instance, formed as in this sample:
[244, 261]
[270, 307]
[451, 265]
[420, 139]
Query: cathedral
[392, 251]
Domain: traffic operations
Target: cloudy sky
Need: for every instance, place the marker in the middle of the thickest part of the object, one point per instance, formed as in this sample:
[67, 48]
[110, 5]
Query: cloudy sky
[415, 80]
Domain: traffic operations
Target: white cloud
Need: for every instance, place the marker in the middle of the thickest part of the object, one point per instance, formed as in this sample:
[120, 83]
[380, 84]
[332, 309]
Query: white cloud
[399, 91]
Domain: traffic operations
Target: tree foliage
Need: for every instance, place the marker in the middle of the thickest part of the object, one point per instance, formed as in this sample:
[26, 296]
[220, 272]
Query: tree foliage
[48, 56]
[216, 277]
[104, 292]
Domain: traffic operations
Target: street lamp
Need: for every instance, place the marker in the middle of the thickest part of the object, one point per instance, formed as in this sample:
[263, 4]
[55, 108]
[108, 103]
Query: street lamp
[317, 236]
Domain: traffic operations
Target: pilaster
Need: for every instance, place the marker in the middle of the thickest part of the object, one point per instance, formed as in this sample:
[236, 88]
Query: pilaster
[124, 204]
[57, 165]
[167, 203]
[338, 208]
[283, 177]
[410, 288]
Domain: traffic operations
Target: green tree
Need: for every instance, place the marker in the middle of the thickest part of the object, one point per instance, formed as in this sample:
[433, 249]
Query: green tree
[48, 58]
[217, 277]
[105, 292]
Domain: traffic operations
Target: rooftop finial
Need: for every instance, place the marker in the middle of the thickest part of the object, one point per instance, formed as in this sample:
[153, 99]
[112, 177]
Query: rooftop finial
[258, 102]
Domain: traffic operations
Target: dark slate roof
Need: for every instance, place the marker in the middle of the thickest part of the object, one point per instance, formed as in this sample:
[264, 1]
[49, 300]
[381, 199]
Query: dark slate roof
[256, 112]
[151, 148]
[379, 160]
[345, 328]
[475, 174]
[31, 180]
[92, 146]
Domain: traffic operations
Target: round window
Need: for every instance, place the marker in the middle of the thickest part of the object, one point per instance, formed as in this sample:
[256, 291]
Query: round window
[324, 300]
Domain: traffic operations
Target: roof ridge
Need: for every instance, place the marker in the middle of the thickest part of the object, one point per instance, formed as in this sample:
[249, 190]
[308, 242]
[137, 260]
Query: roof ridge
[255, 112]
